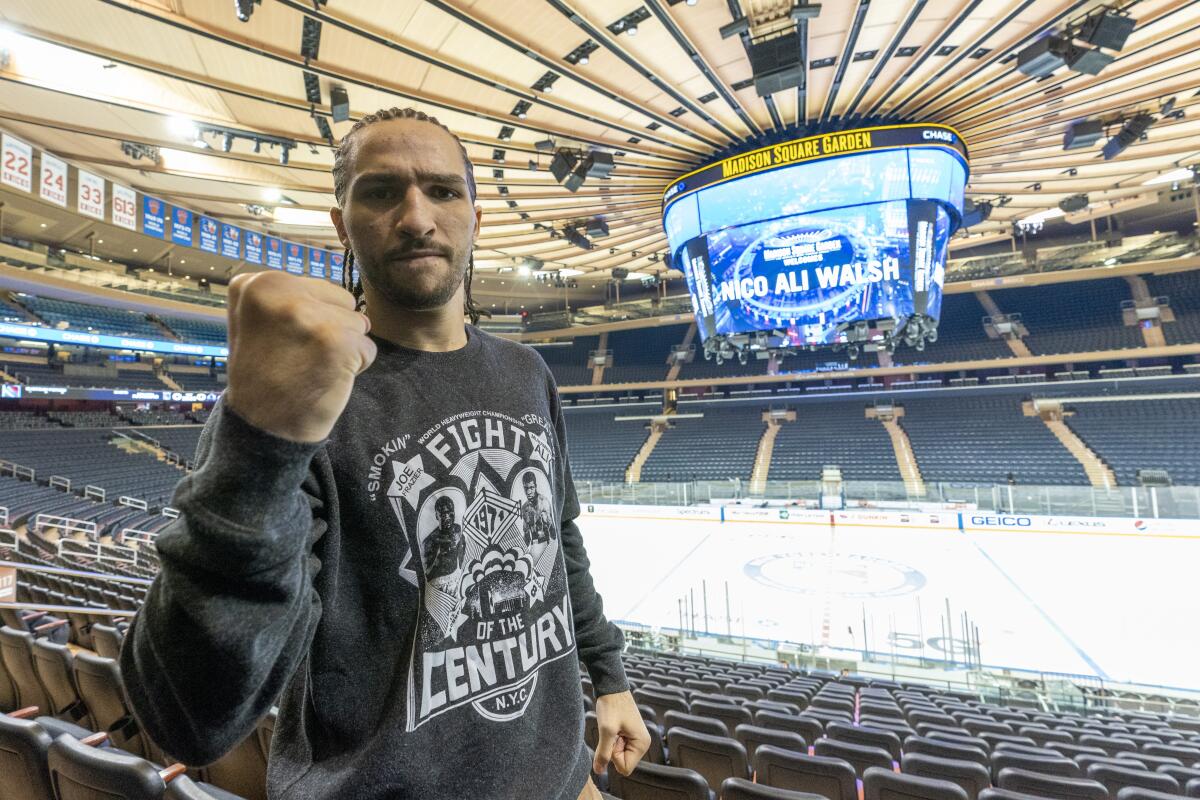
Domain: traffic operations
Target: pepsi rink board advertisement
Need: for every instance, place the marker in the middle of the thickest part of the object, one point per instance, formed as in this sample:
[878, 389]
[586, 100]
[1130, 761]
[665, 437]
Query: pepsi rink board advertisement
[820, 232]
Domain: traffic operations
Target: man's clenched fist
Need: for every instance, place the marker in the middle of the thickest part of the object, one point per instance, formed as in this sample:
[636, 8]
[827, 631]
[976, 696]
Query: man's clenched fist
[295, 348]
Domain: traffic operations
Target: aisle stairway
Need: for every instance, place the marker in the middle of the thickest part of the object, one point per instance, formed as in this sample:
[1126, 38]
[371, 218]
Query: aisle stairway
[634, 472]
[766, 448]
[1018, 347]
[673, 372]
[598, 369]
[1099, 474]
[906, 460]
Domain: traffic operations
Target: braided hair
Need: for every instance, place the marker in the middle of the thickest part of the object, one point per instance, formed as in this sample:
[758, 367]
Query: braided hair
[351, 278]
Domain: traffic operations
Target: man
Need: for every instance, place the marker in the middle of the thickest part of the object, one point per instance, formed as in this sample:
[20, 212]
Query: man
[294, 573]
[444, 547]
[535, 513]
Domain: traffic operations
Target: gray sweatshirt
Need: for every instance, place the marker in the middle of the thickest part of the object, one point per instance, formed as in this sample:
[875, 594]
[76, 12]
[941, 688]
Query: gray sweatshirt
[413, 592]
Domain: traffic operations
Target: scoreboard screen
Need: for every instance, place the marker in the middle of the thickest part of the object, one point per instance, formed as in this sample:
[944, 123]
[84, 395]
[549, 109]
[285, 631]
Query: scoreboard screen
[813, 235]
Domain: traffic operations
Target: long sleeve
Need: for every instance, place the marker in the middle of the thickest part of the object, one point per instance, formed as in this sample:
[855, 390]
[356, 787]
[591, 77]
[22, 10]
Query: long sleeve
[230, 615]
[599, 641]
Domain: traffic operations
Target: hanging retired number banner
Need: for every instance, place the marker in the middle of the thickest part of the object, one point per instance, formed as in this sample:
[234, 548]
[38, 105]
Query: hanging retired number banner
[209, 229]
[274, 252]
[231, 241]
[254, 245]
[154, 217]
[294, 258]
[16, 163]
[124, 207]
[53, 185]
[181, 226]
[316, 262]
[89, 195]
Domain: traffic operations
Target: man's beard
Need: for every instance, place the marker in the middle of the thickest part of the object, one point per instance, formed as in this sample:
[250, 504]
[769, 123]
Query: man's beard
[383, 279]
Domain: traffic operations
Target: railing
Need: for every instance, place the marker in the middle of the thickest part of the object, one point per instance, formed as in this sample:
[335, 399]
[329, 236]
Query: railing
[1174, 502]
[139, 536]
[59, 482]
[68, 548]
[95, 493]
[65, 525]
[8, 537]
[3, 516]
[17, 470]
[21, 566]
[135, 434]
[133, 502]
[173, 513]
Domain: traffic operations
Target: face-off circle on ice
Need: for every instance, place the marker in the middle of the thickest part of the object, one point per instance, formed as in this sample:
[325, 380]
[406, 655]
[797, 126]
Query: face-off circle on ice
[845, 574]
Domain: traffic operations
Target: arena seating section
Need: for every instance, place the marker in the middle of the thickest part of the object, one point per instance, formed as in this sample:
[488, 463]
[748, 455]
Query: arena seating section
[179, 439]
[1148, 434]
[982, 440]
[835, 433]
[716, 724]
[1084, 318]
[718, 727]
[87, 457]
[717, 446]
[960, 335]
[101, 319]
[54, 375]
[195, 382]
[199, 331]
[25, 500]
[601, 448]
[641, 354]
[568, 361]
[1183, 292]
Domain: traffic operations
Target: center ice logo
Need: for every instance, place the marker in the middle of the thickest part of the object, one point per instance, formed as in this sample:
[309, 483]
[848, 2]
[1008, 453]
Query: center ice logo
[846, 575]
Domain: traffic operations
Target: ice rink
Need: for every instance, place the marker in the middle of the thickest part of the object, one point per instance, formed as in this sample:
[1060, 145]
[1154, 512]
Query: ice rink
[1122, 608]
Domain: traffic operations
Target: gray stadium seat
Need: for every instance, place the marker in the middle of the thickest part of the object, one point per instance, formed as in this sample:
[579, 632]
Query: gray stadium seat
[739, 789]
[861, 757]
[751, 736]
[658, 782]
[883, 784]
[1117, 778]
[1019, 780]
[832, 778]
[945, 749]
[714, 757]
[972, 777]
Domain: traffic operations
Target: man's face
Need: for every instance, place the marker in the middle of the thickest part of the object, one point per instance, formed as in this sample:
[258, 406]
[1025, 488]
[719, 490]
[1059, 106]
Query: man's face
[407, 213]
[445, 518]
[530, 491]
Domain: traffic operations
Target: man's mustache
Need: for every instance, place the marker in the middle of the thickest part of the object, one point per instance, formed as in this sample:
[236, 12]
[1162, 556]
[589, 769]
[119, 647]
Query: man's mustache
[418, 246]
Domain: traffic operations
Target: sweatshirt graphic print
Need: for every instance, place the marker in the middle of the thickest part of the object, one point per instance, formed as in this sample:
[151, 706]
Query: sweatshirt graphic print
[471, 497]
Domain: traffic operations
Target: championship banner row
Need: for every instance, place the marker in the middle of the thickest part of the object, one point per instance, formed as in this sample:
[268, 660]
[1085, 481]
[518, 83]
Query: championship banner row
[158, 218]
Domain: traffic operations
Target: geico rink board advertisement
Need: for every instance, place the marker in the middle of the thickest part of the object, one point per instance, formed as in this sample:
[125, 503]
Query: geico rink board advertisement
[965, 521]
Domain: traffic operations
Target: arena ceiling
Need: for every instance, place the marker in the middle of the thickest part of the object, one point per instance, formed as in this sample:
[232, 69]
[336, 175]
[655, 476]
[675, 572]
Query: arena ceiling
[659, 88]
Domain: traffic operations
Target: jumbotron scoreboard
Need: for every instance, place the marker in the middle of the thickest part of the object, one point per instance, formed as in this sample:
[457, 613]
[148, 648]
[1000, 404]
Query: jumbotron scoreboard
[836, 240]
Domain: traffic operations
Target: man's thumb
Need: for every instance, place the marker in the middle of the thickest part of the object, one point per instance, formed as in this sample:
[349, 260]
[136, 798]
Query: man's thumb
[604, 750]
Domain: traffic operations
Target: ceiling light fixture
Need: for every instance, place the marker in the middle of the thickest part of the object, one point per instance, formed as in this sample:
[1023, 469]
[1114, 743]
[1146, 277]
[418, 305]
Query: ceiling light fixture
[244, 9]
[183, 127]
[1183, 173]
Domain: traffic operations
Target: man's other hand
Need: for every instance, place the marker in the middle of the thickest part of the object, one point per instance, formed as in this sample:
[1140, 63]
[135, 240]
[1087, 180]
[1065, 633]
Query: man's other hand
[623, 735]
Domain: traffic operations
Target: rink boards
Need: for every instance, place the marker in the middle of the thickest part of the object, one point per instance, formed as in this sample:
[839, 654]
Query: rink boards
[1105, 597]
